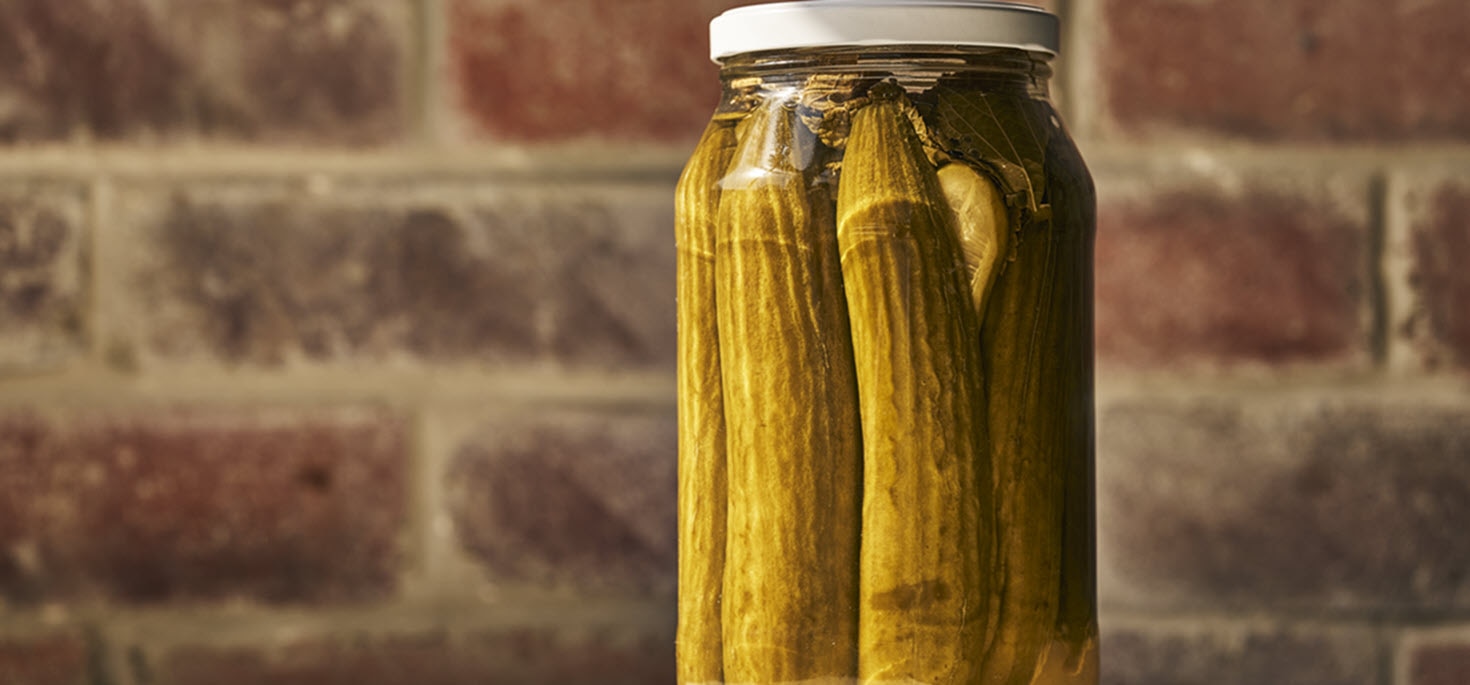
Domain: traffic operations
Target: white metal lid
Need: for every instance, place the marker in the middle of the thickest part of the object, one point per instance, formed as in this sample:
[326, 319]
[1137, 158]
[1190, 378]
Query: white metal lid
[825, 23]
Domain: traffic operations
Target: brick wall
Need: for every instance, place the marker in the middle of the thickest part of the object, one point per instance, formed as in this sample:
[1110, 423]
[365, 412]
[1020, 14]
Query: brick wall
[336, 337]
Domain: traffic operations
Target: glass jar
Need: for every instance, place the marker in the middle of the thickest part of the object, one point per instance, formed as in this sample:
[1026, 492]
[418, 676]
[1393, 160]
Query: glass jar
[885, 355]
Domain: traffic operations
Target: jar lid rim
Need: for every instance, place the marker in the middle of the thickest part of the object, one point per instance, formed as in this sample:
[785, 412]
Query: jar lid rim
[831, 23]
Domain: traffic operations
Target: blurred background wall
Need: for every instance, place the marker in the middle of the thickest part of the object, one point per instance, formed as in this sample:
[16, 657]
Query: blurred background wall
[336, 337]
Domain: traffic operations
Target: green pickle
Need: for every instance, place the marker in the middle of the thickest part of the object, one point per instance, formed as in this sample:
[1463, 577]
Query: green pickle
[886, 444]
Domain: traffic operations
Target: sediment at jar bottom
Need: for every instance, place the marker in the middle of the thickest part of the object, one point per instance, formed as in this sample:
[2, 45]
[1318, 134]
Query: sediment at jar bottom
[790, 582]
[925, 570]
[701, 411]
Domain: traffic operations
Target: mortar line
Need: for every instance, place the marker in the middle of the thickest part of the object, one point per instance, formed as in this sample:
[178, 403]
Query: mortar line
[99, 670]
[233, 624]
[1064, 64]
[451, 572]
[413, 99]
[1391, 638]
[422, 501]
[1402, 345]
[1296, 616]
[133, 661]
[600, 163]
[625, 163]
[432, 388]
[422, 389]
[1082, 29]
[1378, 189]
[1375, 392]
[99, 202]
[430, 46]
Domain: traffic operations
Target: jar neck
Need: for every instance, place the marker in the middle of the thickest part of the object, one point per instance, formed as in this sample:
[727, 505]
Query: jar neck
[913, 66]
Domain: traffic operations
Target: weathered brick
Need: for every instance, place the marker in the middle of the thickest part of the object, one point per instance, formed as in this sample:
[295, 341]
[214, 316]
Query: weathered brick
[166, 504]
[637, 70]
[1437, 323]
[1207, 272]
[609, 291]
[1298, 70]
[43, 275]
[46, 660]
[581, 501]
[326, 71]
[1330, 504]
[510, 657]
[264, 277]
[1442, 659]
[1208, 654]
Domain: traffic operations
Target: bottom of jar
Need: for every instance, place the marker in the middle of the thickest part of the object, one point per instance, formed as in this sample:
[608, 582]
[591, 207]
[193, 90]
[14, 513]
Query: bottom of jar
[1069, 664]
[1065, 663]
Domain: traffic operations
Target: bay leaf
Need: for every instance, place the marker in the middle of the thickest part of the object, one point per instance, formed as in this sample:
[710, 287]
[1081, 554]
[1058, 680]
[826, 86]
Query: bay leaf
[1003, 133]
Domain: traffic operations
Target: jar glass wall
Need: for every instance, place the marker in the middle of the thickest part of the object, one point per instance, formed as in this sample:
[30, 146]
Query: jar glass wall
[885, 374]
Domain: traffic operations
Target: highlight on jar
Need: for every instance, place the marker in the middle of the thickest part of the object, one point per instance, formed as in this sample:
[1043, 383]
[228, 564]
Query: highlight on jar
[885, 367]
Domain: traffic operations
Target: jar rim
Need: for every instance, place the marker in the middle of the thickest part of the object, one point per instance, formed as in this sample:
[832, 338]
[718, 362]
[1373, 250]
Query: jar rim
[861, 23]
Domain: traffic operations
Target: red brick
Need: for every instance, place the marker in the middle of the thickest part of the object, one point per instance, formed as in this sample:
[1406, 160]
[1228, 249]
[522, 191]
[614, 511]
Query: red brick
[1201, 275]
[264, 277]
[328, 71]
[509, 657]
[1439, 662]
[568, 69]
[43, 275]
[581, 501]
[1206, 654]
[1439, 324]
[1299, 70]
[634, 70]
[1345, 504]
[609, 290]
[49, 660]
[159, 505]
